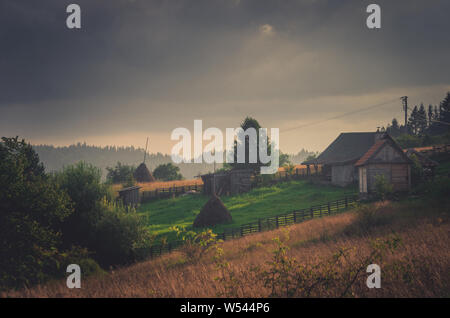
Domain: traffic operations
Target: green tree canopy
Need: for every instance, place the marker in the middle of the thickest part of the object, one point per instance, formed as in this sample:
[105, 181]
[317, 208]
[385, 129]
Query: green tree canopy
[120, 173]
[167, 172]
[32, 209]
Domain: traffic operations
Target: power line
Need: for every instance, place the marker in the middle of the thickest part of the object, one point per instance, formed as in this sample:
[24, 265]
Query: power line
[341, 115]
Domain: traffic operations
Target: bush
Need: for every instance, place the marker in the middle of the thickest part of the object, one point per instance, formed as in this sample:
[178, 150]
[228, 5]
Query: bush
[82, 182]
[417, 175]
[383, 188]
[368, 217]
[119, 235]
[195, 245]
[105, 228]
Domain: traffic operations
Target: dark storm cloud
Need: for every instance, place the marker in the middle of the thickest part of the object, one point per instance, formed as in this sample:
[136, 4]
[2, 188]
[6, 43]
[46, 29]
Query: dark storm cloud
[206, 59]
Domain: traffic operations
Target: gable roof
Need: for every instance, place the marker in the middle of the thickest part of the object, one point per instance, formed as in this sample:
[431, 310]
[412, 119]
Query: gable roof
[372, 151]
[347, 147]
[386, 140]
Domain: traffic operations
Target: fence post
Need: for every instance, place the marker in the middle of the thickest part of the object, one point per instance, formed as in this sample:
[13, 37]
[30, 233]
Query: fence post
[276, 221]
[151, 251]
[329, 208]
[346, 202]
[259, 225]
[295, 216]
[242, 230]
[312, 213]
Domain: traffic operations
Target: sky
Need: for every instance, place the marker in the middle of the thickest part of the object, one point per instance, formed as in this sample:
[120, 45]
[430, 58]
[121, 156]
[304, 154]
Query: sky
[140, 68]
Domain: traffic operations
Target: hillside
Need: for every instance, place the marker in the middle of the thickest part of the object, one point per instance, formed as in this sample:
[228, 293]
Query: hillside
[409, 240]
[261, 202]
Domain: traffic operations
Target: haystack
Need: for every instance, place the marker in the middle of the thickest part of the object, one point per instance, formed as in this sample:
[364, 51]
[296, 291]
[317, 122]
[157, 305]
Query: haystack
[142, 174]
[212, 213]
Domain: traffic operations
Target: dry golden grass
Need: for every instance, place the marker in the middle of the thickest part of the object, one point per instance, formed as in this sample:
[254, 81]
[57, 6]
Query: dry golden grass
[150, 186]
[418, 268]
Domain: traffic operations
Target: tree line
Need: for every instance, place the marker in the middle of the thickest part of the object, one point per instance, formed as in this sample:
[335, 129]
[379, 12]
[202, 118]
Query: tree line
[425, 125]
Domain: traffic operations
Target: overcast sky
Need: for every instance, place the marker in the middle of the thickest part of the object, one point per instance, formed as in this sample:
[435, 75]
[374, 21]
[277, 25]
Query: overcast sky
[142, 68]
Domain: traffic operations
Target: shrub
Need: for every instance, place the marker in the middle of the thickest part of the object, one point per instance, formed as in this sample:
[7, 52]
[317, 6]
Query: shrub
[417, 175]
[105, 228]
[119, 235]
[367, 218]
[382, 187]
[195, 245]
[82, 182]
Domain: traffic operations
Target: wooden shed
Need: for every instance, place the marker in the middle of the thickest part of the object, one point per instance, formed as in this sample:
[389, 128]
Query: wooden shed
[386, 158]
[339, 158]
[232, 182]
[130, 196]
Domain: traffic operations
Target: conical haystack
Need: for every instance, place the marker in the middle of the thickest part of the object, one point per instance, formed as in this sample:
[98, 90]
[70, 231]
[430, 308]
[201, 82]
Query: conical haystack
[142, 174]
[212, 213]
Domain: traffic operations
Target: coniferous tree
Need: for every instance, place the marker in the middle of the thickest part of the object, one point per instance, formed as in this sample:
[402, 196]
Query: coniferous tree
[421, 120]
[413, 122]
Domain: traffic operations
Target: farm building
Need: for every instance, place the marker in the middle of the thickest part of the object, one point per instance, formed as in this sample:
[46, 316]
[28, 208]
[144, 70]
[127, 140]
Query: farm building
[130, 196]
[339, 158]
[385, 158]
[227, 182]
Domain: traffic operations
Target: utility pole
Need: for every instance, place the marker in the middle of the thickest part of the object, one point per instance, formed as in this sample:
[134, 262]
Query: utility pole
[145, 153]
[405, 109]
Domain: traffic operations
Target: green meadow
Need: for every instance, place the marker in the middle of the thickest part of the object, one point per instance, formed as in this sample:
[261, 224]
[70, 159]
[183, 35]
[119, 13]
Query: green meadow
[245, 208]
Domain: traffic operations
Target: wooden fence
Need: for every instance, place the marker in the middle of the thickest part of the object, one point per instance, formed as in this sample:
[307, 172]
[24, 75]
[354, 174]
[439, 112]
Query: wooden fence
[280, 176]
[270, 223]
[169, 192]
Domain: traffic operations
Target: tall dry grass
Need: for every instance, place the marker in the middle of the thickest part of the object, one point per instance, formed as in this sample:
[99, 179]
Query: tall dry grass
[417, 268]
[150, 186]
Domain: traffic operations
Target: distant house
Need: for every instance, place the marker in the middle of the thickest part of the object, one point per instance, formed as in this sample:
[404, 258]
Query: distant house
[339, 158]
[385, 158]
[232, 182]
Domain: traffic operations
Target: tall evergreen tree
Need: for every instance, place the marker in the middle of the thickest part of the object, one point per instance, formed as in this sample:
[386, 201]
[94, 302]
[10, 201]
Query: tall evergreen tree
[444, 113]
[413, 122]
[422, 121]
[430, 115]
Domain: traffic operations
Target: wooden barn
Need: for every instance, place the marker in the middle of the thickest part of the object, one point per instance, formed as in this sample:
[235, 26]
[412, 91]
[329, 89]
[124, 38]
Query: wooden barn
[339, 158]
[385, 158]
[130, 196]
[227, 182]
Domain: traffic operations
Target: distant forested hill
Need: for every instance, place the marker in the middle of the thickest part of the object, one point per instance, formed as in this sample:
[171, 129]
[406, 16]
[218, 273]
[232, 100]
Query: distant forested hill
[301, 156]
[54, 158]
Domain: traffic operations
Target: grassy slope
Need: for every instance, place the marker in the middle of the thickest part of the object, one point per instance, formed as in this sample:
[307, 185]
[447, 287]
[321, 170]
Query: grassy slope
[245, 208]
[418, 268]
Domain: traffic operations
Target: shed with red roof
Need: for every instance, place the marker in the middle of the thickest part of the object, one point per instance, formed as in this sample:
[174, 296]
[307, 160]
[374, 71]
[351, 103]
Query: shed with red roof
[384, 158]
